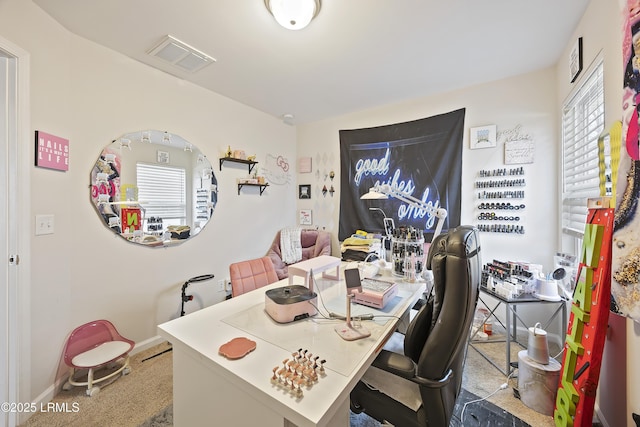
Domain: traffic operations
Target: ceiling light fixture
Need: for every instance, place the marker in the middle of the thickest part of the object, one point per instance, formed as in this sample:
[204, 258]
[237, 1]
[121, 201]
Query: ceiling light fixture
[293, 14]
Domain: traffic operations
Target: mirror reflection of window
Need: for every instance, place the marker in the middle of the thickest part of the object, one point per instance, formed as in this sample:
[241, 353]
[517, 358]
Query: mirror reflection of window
[156, 189]
[164, 191]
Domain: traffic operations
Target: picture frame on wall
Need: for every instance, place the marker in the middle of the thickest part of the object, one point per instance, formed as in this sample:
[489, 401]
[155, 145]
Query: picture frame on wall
[163, 157]
[575, 60]
[304, 191]
[51, 152]
[519, 152]
[304, 165]
[305, 217]
[483, 137]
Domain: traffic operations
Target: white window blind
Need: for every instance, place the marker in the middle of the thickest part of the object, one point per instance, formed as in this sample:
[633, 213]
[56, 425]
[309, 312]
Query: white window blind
[582, 124]
[162, 189]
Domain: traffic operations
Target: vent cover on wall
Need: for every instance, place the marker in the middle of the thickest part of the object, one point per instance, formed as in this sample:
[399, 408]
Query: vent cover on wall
[180, 54]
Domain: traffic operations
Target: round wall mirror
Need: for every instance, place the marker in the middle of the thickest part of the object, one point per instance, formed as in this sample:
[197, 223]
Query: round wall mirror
[153, 188]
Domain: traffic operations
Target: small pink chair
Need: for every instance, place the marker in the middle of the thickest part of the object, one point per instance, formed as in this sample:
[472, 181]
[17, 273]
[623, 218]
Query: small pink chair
[92, 346]
[251, 274]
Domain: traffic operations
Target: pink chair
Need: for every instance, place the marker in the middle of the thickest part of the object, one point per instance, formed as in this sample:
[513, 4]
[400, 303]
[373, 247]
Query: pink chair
[93, 346]
[314, 243]
[252, 274]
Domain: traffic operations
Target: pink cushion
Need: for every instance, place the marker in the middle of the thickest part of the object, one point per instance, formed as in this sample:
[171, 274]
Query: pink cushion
[104, 353]
[314, 243]
[252, 274]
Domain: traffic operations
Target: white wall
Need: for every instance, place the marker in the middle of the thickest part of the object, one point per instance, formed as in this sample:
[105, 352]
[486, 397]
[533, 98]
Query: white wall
[91, 95]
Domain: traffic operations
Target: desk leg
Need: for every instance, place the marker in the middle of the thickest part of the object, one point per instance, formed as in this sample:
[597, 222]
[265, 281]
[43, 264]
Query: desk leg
[514, 323]
[508, 339]
[564, 318]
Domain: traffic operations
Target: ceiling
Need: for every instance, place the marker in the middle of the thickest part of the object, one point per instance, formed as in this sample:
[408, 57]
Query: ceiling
[356, 54]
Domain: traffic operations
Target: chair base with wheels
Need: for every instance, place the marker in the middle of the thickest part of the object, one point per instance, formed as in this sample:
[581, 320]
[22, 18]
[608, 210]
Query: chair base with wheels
[93, 346]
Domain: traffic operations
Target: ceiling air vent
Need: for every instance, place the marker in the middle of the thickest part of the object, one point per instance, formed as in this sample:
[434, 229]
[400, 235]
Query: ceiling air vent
[181, 55]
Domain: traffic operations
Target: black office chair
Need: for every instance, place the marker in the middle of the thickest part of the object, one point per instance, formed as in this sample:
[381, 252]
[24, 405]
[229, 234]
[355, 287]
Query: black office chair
[429, 373]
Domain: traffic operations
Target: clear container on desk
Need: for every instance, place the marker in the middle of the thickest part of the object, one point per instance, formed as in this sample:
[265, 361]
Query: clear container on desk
[408, 256]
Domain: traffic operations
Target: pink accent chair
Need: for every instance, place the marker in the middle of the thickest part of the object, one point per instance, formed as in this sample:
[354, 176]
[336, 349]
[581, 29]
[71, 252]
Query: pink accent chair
[314, 243]
[252, 274]
[93, 346]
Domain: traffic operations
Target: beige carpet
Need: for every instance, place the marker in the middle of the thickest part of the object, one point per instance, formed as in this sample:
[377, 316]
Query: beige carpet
[126, 401]
[147, 390]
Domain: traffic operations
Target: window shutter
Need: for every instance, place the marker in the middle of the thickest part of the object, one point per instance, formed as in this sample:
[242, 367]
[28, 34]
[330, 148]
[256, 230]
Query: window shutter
[162, 190]
[582, 125]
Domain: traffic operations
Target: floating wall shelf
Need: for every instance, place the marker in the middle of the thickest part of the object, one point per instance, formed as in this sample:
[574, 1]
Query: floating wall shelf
[262, 187]
[249, 163]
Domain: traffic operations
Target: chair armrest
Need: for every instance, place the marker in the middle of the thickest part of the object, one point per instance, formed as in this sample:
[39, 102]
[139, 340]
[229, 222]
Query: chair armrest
[396, 364]
[426, 382]
[404, 367]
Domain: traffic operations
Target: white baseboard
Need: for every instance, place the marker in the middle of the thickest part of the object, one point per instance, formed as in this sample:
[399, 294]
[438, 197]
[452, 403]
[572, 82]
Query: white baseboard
[148, 343]
[601, 418]
[45, 397]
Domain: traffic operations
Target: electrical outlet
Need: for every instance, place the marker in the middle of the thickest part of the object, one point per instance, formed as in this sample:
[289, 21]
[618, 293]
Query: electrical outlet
[44, 224]
[221, 285]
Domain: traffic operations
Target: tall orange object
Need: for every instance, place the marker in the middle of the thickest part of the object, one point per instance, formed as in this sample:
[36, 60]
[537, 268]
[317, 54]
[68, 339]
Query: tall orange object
[586, 331]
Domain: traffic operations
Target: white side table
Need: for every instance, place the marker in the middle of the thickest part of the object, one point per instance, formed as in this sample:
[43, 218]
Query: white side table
[321, 264]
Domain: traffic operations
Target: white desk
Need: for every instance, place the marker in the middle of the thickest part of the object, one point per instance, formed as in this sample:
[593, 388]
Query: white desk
[209, 389]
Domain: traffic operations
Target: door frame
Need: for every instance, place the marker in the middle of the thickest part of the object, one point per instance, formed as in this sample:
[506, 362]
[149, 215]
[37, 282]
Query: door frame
[16, 142]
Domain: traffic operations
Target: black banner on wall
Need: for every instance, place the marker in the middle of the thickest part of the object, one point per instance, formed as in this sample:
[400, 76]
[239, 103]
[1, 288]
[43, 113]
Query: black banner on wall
[422, 158]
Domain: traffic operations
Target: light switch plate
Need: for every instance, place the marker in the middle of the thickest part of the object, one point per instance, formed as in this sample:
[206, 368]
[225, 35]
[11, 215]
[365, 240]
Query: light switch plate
[44, 224]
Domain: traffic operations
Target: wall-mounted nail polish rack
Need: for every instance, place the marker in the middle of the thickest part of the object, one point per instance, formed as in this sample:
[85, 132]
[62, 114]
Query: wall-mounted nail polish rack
[499, 199]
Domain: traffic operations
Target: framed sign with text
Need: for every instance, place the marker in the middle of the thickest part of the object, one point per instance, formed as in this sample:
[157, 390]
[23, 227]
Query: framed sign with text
[305, 217]
[52, 152]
